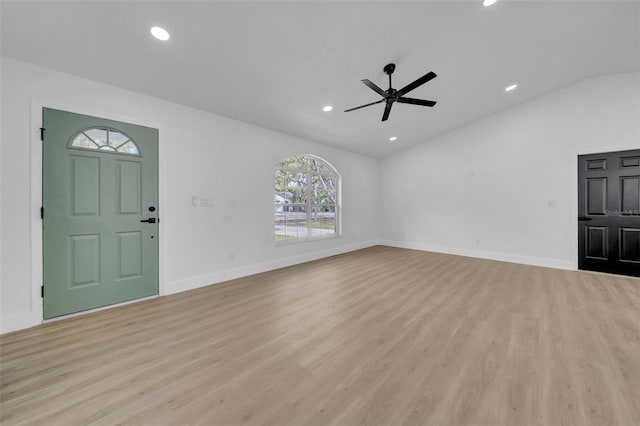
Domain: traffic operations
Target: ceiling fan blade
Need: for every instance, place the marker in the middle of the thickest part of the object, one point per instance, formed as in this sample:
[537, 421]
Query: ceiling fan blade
[387, 110]
[362, 106]
[419, 82]
[375, 88]
[413, 101]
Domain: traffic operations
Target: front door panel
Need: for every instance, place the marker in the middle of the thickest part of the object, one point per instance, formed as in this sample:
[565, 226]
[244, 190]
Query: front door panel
[100, 178]
[609, 212]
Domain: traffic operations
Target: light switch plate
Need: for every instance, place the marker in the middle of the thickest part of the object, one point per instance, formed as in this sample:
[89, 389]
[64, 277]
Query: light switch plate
[207, 202]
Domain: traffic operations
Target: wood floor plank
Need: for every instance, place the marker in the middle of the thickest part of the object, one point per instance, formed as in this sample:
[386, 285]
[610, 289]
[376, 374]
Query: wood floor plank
[381, 336]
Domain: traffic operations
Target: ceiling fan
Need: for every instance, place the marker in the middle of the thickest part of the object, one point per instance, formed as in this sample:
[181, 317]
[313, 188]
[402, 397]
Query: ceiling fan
[392, 95]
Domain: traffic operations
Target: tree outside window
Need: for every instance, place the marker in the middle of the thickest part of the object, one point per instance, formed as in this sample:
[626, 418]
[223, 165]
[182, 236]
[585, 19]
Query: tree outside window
[306, 199]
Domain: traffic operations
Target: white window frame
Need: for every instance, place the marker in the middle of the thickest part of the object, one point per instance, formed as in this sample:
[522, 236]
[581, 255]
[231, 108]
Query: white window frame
[309, 205]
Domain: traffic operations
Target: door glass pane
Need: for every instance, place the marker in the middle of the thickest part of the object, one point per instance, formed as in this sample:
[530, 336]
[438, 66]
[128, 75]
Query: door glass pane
[99, 136]
[128, 148]
[116, 138]
[82, 141]
[105, 140]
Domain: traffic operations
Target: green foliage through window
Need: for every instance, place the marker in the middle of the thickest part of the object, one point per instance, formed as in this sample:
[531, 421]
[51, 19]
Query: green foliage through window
[306, 194]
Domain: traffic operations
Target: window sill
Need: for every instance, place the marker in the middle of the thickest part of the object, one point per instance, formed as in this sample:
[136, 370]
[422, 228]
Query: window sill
[305, 240]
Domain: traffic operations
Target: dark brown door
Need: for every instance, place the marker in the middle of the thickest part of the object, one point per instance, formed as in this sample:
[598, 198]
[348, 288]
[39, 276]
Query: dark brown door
[609, 212]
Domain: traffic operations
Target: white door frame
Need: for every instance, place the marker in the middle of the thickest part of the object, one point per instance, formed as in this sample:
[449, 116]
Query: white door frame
[574, 192]
[37, 302]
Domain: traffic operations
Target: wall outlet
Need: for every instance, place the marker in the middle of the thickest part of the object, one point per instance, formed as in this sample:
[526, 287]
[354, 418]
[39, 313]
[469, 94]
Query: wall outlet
[232, 255]
[194, 200]
[477, 241]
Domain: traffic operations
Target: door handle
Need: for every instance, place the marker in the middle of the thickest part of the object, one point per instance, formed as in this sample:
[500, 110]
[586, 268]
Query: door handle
[150, 220]
[584, 218]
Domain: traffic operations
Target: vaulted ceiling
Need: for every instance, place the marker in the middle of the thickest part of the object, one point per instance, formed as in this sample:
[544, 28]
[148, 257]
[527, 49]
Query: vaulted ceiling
[276, 64]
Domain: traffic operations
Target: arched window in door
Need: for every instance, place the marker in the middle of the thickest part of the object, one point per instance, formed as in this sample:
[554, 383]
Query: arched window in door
[104, 139]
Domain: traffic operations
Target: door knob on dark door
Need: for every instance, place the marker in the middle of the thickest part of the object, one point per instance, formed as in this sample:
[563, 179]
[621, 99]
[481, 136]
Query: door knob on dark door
[584, 218]
[150, 220]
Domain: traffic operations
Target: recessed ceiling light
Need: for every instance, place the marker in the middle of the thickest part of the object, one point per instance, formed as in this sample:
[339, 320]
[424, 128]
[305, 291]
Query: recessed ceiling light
[327, 108]
[489, 2]
[160, 33]
[393, 138]
[511, 87]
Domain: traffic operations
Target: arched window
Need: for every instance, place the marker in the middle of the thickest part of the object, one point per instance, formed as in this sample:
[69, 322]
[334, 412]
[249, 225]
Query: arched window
[306, 199]
[104, 139]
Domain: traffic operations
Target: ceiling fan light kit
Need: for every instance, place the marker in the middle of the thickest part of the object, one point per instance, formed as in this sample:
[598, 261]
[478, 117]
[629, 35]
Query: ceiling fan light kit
[391, 95]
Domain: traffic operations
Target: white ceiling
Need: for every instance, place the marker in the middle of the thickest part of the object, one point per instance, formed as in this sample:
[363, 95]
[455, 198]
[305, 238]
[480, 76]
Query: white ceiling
[276, 64]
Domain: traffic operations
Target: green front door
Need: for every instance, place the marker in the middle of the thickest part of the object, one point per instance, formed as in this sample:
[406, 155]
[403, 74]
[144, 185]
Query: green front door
[100, 185]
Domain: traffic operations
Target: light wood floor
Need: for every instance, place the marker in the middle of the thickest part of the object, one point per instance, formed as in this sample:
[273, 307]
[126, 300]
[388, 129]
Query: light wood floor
[381, 336]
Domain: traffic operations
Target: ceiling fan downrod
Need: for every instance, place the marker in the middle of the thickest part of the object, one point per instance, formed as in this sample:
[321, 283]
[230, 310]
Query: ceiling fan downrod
[389, 69]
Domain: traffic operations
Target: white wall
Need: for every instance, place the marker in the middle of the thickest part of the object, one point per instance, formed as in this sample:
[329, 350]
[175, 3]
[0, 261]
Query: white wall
[501, 188]
[201, 154]
[506, 187]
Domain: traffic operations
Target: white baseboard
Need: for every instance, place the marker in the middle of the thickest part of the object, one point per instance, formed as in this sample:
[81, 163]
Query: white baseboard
[483, 254]
[177, 286]
[30, 319]
[18, 322]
